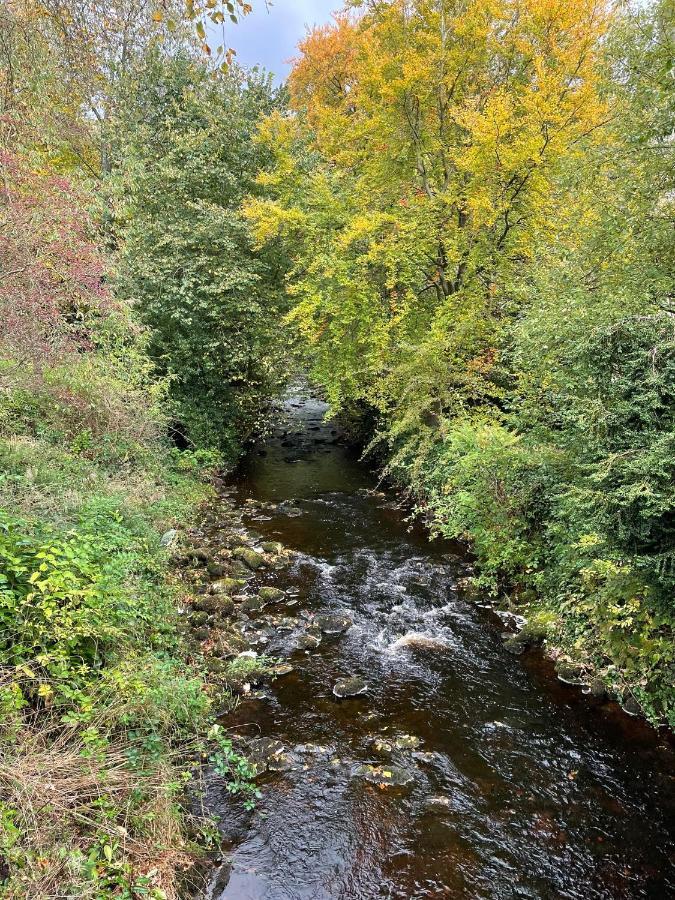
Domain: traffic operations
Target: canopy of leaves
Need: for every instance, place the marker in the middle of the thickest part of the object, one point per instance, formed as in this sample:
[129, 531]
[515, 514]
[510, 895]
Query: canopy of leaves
[186, 261]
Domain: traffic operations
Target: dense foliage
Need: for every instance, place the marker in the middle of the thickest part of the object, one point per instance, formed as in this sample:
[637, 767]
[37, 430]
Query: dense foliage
[478, 198]
[123, 156]
[186, 263]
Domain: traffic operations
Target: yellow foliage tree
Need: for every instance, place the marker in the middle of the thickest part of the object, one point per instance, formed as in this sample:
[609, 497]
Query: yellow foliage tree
[411, 178]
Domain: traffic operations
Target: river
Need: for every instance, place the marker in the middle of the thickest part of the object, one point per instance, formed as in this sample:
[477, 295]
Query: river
[462, 771]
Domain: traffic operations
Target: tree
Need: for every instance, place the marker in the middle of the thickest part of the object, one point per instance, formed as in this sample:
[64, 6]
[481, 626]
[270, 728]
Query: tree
[186, 260]
[436, 130]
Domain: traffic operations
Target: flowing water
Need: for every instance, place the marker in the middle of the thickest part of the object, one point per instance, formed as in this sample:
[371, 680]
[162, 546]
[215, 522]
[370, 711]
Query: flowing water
[518, 787]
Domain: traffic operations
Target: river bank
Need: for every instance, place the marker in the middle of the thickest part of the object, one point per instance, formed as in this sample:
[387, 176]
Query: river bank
[455, 768]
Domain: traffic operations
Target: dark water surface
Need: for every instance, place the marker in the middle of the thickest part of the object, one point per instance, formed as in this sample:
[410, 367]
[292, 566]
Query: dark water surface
[519, 788]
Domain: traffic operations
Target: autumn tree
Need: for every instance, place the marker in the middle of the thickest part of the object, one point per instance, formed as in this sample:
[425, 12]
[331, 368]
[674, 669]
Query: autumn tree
[435, 129]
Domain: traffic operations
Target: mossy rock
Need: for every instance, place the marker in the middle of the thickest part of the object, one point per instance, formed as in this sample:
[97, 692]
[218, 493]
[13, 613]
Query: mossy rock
[250, 558]
[569, 672]
[271, 594]
[252, 604]
[199, 618]
[272, 547]
[226, 586]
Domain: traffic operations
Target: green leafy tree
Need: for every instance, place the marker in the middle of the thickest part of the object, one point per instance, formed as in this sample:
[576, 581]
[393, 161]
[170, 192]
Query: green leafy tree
[212, 303]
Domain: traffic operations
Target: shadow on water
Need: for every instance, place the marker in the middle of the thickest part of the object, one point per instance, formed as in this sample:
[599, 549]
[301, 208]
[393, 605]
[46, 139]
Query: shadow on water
[513, 784]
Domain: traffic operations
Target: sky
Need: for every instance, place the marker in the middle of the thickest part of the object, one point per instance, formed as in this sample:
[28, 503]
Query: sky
[269, 38]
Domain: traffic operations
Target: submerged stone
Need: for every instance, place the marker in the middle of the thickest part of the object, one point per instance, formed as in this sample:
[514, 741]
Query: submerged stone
[438, 804]
[267, 753]
[514, 646]
[283, 669]
[307, 642]
[252, 604]
[332, 624]
[385, 776]
[382, 745]
[569, 672]
[350, 687]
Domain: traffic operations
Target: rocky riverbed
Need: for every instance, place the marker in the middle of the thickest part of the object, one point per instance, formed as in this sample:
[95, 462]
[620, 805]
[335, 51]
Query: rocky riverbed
[405, 746]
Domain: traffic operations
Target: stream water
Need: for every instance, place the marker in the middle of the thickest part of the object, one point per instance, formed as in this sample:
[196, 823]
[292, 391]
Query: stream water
[513, 785]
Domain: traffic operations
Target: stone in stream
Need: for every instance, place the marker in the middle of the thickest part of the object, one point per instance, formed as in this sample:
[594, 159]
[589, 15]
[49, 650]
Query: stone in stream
[252, 604]
[630, 705]
[569, 672]
[330, 623]
[307, 642]
[382, 745]
[407, 742]
[385, 776]
[352, 686]
[215, 569]
[283, 669]
[438, 804]
[513, 645]
[271, 594]
[250, 558]
[241, 571]
[287, 623]
[226, 585]
[270, 755]
[216, 604]
[272, 546]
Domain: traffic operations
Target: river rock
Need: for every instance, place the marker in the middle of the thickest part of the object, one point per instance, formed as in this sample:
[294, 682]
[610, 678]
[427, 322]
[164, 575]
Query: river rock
[391, 776]
[514, 646]
[241, 571]
[250, 558]
[266, 752]
[215, 604]
[597, 688]
[252, 604]
[307, 642]
[271, 594]
[272, 546]
[350, 687]
[630, 705]
[569, 672]
[287, 623]
[407, 742]
[226, 585]
[283, 669]
[382, 745]
[168, 538]
[330, 623]
[438, 804]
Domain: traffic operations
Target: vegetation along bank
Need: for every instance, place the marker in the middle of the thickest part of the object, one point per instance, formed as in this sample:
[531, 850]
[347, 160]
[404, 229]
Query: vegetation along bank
[458, 216]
